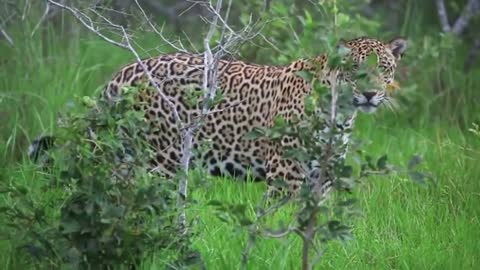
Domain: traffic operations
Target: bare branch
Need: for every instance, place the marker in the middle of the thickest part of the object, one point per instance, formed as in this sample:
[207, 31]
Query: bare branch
[266, 6]
[217, 16]
[192, 45]
[442, 15]
[152, 80]
[6, 36]
[209, 61]
[209, 86]
[255, 227]
[45, 13]
[319, 254]
[88, 23]
[159, 33]
[194, 4]
[246, 250]
[26, 9]
[168, 11]
[470, 9]
[228, 38]
[126, 44]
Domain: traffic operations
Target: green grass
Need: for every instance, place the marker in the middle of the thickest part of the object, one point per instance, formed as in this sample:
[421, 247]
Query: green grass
[404, 225]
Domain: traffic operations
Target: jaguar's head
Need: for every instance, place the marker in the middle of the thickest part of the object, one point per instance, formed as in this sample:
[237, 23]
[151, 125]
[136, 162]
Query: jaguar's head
[368, 97]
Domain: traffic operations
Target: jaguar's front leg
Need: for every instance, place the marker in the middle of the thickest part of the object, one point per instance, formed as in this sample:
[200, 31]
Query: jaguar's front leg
[286, 171]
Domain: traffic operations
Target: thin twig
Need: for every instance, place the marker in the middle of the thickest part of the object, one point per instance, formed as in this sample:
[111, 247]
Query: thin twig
[247, 249]
[209, 86]
[159, 33]
[443, 16]
[44, 15]
[318, 252]
[470, 9]
[26, 9]
[87, 22]
[259, 215]
[6, 36]
[125, 44]
[151, 79]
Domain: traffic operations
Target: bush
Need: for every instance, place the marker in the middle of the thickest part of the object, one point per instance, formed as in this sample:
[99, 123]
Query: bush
[111, 210]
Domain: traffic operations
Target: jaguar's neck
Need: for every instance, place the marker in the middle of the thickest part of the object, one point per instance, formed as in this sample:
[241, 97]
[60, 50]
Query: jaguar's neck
[345, 115]
[318, 63]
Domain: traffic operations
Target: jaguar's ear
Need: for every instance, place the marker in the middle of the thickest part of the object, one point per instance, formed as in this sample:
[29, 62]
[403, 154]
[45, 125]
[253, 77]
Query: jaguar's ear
[397, 46]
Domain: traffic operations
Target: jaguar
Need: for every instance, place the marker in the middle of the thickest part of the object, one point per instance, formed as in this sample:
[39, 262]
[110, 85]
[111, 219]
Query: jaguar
[252, 96]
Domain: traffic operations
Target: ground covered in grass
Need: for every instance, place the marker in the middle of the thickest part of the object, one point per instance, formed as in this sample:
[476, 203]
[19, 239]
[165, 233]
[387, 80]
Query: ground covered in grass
[403, 225]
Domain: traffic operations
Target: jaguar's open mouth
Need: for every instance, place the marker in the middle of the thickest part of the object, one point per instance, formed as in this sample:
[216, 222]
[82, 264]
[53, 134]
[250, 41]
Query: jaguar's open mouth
[368, 108]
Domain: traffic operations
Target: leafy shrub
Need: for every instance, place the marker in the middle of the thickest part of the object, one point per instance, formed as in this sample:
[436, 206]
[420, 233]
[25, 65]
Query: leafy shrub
[112, 210]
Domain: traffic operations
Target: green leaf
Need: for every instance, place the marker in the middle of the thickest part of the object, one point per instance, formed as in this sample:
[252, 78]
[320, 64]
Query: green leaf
[310, 104]
[256, 133]
[70, 226]
[21, 189]
[342, 19]
[369, 162]
[361, 74]
[279, 183]
[245, 221]
[308, 76]
[345, 183]
[308, 18]
[296, 154]
[320, 90]
[223, 217]
[348, 202]
[114, 212]
[334, 61]
[279, 121]
[88, 102]
[372, 60]
[275, 135]
[346, 171]
[333, 224]
[239, 209]
[215, 203]
[382, 162]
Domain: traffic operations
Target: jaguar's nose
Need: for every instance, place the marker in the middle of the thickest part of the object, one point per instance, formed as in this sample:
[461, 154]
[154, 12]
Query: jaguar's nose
[369, 95]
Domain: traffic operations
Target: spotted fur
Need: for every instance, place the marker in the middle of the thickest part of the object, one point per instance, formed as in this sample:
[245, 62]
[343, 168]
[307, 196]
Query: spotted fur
[253, 95]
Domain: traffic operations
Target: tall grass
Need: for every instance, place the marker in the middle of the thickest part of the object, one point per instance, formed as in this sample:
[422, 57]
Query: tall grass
[404, 225]
[40, 77]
